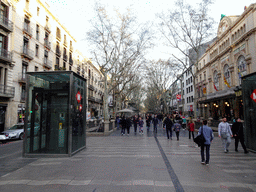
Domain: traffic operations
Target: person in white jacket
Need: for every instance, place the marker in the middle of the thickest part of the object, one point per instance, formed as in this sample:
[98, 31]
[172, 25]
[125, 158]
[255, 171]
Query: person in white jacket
[225, 133]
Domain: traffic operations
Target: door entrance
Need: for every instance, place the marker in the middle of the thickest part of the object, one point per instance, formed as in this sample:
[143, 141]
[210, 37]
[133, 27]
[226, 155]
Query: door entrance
[47, 131]
[2, 117]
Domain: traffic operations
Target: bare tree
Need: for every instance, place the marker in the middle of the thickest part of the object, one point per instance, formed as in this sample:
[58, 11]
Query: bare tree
[159, 76]
[186, 29]
[119, 44]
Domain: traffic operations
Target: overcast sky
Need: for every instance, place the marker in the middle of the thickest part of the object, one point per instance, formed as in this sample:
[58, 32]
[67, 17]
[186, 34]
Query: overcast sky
[75, 14]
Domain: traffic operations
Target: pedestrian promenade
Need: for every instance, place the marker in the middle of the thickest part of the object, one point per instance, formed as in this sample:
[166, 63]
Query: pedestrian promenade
[138, 163]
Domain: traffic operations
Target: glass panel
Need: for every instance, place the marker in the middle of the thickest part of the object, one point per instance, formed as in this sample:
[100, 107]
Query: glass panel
[78, 114]
[47, 129]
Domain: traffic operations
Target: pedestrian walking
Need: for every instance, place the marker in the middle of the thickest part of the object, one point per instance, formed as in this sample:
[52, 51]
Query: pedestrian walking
[176, 128]
[148, 122]
[135, 123]
[237, 129]
[208, 135]
[168, 125]
[117, 122]
[225, 133]
[155, 122]
[129, 123]
[141, 123]
[123, 123]
[191, 129]
[184, 123]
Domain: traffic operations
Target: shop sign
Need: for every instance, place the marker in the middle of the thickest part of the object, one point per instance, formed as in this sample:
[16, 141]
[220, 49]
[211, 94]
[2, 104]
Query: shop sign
[178, 96]
[253, 95]
[78, 97]
[80, 107]
[191, 107]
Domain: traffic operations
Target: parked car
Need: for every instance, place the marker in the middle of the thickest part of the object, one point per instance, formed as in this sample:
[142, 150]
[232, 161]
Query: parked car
[14, 132]
[17, 132]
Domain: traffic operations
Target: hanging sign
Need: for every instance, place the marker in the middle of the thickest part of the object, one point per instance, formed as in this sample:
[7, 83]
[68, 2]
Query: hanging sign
[78, 97]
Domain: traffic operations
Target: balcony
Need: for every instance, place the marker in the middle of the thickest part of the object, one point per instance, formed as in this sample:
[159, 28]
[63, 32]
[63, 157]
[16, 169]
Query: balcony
[7, 91]
[47, 44]
[5, 56]
[47, 27]
[65, 43]
[91, 98]
[58, 68]
[58, 52]
[27, 29]
[47, 63]
[65, 57]
[27, 53]
[22, 78]
[6, 24]
[70, 61]
[91, 87]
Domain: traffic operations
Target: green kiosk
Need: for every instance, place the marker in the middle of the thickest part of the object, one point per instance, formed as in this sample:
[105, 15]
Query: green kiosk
[55, 122]
[249, 100]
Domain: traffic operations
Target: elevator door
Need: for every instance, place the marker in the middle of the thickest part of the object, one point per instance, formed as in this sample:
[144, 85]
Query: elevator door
[48, 131]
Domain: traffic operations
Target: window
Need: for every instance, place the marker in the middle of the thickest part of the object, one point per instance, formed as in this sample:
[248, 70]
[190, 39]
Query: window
[65, 39]
[58, 35]
[192, 98]
[36, 68]
[47, 19]
[71, 47]
[204, 76]
[37, 32]
[38, 10]
[241, 64]
[64, 64]
[26, 24]
[25, 46]
[191, 88]
[37, 50]
[216, 80]
[24, 70]
[58, 61]
[45, 56]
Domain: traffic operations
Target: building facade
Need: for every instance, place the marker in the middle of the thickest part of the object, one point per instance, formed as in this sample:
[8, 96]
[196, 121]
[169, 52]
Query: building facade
[32, 39]
[227, 59]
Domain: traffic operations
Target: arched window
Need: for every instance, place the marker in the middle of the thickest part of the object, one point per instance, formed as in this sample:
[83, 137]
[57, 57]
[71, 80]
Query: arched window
[241, 65]
[227, 75]
[216, 80]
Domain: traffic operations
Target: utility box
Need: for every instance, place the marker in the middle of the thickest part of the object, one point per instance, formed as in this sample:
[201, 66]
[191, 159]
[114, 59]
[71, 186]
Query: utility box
[249, 101]
[55, 121]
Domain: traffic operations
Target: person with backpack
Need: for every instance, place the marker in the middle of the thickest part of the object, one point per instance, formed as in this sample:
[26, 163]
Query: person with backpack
[208, 136]
[168, 125]
[141, 122]
[176, 128]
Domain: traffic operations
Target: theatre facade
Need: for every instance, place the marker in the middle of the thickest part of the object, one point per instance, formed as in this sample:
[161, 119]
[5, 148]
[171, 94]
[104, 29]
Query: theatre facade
[220, 70]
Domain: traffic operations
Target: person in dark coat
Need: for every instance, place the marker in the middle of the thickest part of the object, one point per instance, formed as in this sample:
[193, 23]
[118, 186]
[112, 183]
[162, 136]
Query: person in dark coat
[168, 124]
[124, 125]
[128, 124]
[148, 122]
[237, 129]
[135, 123]
[155, 122]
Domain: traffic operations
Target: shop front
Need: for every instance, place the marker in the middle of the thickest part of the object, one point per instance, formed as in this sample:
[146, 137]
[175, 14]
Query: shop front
[55, 119]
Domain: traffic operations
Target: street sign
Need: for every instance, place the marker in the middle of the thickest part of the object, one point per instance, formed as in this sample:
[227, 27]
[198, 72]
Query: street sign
[78, 97]
[253, 95]
[80, 107]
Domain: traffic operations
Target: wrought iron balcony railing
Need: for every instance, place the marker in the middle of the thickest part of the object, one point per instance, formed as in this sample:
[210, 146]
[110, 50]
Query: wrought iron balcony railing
[6, 24]
[7, 91]
[5, 56]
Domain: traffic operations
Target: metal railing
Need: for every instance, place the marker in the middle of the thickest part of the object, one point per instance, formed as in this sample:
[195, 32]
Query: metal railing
[65, 57]
[28, 29]
[7, 91]
[6, 23]
[70, 61]
[5, 55]
[22, 77]
[47, 43]
[47, 63]
[47, 27]
[27, 52]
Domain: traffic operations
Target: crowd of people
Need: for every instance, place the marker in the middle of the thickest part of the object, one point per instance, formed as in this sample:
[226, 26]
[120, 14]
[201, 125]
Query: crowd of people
[176, 122]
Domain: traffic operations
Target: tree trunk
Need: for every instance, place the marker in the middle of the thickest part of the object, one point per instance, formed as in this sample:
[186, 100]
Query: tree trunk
[105, 99]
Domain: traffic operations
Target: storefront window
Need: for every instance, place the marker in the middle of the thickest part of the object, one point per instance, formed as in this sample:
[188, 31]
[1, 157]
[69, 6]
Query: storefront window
[241, 64]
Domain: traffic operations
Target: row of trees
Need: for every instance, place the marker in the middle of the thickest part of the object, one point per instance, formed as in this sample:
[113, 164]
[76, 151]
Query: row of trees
[120, 43]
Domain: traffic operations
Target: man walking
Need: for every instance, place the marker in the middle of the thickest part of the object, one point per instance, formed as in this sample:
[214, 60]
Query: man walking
[208, 135]
[225, 133]
[237, 129]
[155, 122]
[177, 128]
[168, 124]
[135, 123]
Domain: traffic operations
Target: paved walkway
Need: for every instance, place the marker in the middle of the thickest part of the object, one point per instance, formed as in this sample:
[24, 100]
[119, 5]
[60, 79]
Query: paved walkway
[138, 163]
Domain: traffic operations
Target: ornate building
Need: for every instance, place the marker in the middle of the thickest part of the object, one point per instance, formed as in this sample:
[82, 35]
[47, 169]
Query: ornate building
[227, 59]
